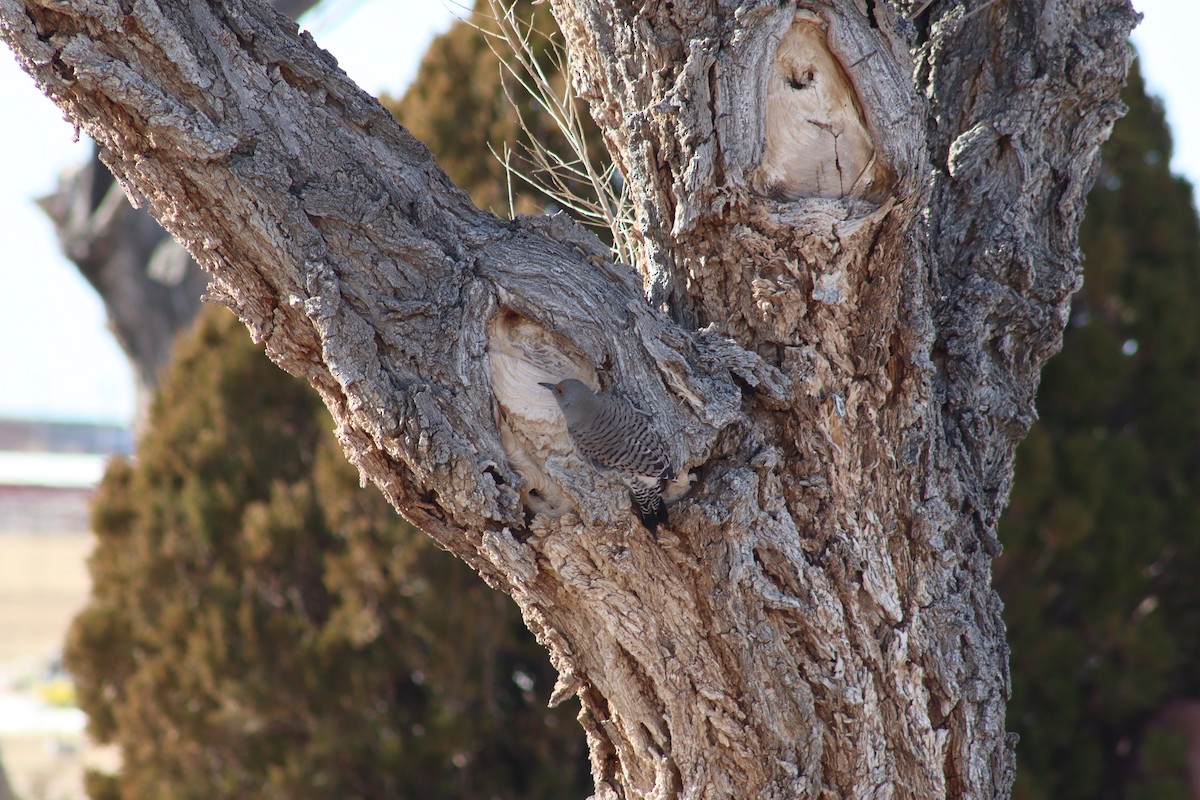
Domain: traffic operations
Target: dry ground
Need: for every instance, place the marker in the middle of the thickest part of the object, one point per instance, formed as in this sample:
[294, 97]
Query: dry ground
[43, 583]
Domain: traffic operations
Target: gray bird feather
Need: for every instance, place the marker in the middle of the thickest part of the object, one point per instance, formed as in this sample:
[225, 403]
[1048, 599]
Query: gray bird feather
[614, 436]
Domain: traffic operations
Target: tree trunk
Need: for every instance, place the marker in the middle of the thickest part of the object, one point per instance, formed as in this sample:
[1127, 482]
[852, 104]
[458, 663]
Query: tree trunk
[859, 245]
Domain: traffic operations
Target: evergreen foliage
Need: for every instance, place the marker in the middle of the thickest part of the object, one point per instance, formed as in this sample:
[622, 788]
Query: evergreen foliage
[261, 626]
[1101, 537]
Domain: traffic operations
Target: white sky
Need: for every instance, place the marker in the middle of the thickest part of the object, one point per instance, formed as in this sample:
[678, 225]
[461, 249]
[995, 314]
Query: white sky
[58, 359]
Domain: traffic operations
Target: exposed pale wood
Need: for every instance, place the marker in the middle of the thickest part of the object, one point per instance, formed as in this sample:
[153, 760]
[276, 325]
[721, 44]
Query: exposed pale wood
[845, 377]
[523, 355]
[816, 141]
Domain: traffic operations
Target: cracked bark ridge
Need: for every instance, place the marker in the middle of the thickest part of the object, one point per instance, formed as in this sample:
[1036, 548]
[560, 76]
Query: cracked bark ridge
[844, 373]
[915, 347]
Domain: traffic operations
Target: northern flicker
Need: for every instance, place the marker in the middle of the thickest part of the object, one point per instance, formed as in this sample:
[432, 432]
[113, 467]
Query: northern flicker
[616, 437]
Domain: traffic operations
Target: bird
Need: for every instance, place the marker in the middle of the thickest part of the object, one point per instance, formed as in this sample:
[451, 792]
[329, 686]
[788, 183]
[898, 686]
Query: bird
[616, 437]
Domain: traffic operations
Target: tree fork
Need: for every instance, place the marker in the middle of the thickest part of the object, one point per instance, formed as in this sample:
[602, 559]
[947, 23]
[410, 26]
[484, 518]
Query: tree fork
[860, 246]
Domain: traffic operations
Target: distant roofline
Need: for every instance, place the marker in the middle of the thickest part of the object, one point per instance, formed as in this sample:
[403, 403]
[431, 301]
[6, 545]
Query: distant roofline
[52, 436]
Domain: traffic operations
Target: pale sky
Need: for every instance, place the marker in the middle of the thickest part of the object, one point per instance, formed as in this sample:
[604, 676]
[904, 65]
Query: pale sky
[58, 360]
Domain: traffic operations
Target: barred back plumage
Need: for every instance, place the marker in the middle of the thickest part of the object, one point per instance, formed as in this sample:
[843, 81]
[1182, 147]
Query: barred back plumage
[610, 433]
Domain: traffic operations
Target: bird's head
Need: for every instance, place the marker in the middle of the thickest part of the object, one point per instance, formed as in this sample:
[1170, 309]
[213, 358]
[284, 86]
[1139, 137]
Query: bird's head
[569, 393]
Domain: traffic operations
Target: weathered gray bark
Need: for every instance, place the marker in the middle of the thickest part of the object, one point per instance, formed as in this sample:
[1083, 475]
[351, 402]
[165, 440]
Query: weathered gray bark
[845, 372]
[150, 285]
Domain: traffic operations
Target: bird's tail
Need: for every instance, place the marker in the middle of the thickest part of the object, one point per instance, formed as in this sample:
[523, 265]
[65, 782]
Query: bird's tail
[648, 504]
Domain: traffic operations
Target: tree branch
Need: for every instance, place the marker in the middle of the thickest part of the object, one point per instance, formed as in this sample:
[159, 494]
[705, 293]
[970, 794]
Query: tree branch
[150, 286]
[817, 620]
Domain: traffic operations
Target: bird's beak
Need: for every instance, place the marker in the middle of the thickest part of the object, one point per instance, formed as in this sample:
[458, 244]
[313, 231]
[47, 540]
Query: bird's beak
[549, 386]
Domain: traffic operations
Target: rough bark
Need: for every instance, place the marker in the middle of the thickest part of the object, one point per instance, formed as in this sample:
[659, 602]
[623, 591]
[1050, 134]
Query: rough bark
[844, 373]
[150, 285]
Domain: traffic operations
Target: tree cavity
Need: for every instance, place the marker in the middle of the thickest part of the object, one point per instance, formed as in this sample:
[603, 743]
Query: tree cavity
[817, 142]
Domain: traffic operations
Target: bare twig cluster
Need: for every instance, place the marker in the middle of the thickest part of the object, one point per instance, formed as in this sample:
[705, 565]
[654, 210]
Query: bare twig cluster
[595, 192]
